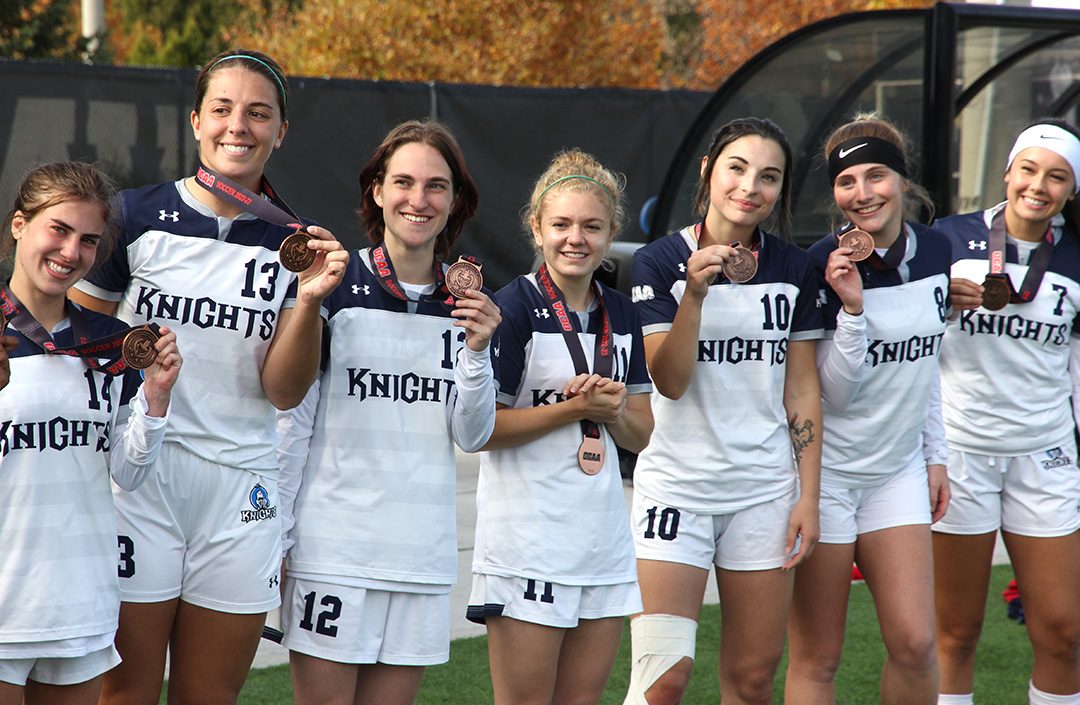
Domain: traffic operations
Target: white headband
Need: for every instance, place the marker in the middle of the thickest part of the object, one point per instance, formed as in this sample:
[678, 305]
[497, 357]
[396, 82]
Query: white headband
[1059, 141]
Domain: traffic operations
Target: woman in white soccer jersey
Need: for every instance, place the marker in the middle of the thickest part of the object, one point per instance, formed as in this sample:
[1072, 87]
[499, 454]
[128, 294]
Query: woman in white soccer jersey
[66, 424]
[200, 541]
[738, 423]
[1008, 368]
[553, 567]
[883, 475]
[369, 455]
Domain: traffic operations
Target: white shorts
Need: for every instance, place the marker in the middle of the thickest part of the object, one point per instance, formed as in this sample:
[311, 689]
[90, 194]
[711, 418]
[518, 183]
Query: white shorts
[1034, 495]
[550, 604]
[902, 499]
[363, 625]
[207, 533]
[752, 539]
[59, 670]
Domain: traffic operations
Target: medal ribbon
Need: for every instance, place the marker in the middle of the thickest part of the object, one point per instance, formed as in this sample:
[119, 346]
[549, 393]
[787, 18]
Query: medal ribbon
[1037, 265]
[108, 348]
[603, 351]
[275, 210]
[384, 271]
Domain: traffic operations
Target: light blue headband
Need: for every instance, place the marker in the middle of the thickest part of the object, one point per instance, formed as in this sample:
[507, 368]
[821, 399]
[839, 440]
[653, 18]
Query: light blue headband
[576, 176]
[257, 60]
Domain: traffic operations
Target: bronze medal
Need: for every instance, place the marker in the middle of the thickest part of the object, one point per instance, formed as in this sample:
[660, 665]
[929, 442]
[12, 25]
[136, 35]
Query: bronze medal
[590, 455]
[138, 348]
[860, 242]
[462, 276]
[996, 293]
[294, 253]
[742, 267]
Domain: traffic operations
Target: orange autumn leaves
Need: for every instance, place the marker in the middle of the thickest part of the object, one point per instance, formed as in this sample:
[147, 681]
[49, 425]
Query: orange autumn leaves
[549, 43]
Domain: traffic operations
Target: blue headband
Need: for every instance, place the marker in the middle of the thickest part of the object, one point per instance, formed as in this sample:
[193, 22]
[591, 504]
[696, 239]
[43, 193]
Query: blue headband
[257, 60]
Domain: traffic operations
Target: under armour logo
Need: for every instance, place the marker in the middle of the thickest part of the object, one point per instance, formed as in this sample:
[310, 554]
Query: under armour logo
[357, 288]
[682, 268]
[541, 313]
[976, 244]
[174, 216]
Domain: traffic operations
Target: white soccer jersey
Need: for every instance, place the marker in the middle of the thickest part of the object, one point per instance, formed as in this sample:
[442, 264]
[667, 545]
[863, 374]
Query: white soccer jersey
[218, 284]
[880, 431]
[725, 445]
[377, 497]
[62, 425]
[1005, 374]
[538, 515]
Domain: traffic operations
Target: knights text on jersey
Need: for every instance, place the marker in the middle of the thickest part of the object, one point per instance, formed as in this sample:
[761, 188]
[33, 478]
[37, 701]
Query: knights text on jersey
[880, 432]
[725, 446]
[378, 496]
[57, 521]
[218, 284]
[538, 515]
[1004, 374]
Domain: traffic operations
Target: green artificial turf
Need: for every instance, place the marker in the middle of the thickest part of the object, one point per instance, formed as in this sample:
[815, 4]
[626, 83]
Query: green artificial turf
[1003, 663]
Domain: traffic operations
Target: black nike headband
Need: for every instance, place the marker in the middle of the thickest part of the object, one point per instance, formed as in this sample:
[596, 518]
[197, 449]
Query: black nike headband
[865, 150]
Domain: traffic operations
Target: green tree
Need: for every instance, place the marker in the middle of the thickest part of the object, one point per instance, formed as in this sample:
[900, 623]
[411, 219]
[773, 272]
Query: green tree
[40, 29]
[170, 32]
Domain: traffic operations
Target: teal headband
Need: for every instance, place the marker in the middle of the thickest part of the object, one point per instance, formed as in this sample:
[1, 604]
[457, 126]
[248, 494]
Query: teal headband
[576, 176]
[257, 60]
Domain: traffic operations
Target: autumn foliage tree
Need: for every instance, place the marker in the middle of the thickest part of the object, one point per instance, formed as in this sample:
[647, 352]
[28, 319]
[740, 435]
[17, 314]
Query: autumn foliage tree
[633, 43]
[527, 42]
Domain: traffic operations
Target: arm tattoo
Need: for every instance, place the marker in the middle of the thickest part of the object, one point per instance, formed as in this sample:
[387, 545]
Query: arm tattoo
[802, 435]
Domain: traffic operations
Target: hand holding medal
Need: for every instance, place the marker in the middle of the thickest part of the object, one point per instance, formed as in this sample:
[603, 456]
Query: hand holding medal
[741, 265]
[842, 274]
[463, 276]
[474, 309]
[996, 292]
[860, 242]
[294, 253]
[964, 294]
[328, 260]
[155, 352]
[736, 262]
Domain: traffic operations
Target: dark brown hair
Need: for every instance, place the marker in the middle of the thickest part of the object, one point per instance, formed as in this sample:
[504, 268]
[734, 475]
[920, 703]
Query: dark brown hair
[737, 129]
[438, 137]
[253, 61]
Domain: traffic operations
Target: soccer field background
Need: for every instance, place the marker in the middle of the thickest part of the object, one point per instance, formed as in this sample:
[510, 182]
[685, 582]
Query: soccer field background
[1002, 671]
